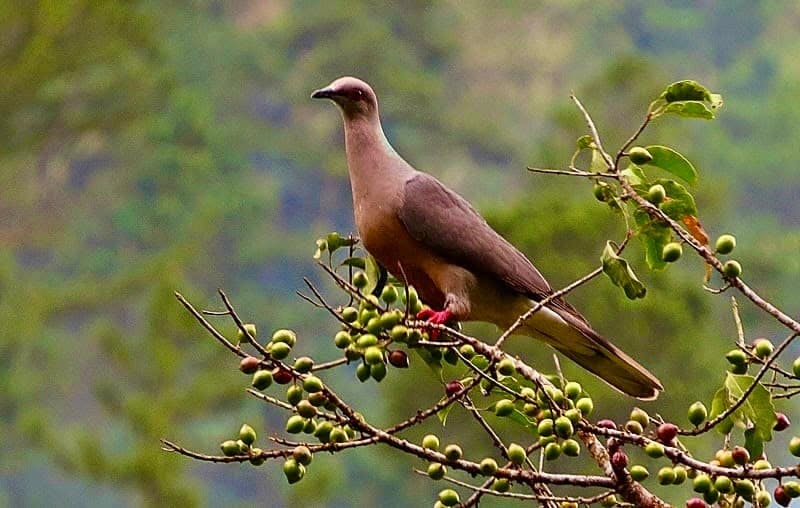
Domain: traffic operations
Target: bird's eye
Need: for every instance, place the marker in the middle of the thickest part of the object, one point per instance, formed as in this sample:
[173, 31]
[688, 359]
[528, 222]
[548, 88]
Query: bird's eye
[359, 93]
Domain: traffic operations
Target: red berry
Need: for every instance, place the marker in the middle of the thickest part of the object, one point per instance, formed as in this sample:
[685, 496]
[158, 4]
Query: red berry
[282, 376]
[249, 364]
[740, 455]
[667, 432]
[619, 460]
[696, 502]
[398, 359]
[781, 497]
[453, 387]
[782, 423]
[606, 424]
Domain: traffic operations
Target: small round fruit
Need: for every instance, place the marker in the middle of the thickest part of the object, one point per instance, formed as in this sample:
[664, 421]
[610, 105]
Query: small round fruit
[293, 471]
[792, 488]
[666, 476]
[249, 364]
[796, 367]
[250, 328]
[306, 409]
[430, 442]
[449, 497]
[338, 435]
[781, 497]
[585, 405]
[607, 424]
[732, 269]
[654, 450]
[453, 452]
[279, 350]
[711, 496]
[552, 451]
[601, 191]
[794, 446]
[323, 431]
[398, 359]
[399, 333]
[501, 485]
[294, 394]
[255, 456]
[262, 379]
[247, 434]
[697, 413]
[639, 155]
[285, 336]
[672, 252]
[639, 473]
[574, 415]
[545, 427]
[360, 280]
[725, 244]
[374, 325]
[723, 484]
[763, 348]
[362, 372]
[782, 422]
[312, 384]
[488, 466]
[350, 314]
[516, 454]
[378, 371]
[634, 427]
[453, 387]
[609, 501]
[680, 475]
[656, 194]
[763, 499]
[702, 483]
[282, 376]
[640, 415]
[342, 339]
[736, 357]
[303, 364]
[230, 448]
[740, 455]
[696, 502]
[619, 460]
[295, 424]
[389, 294]
[570, 448]
[725, 458]
[744, 488]
[573, 390]
[506, 367]
[436, 471]
[503, 407]
[666, 432]
[373, 355]
[367, 340]
[563, 426]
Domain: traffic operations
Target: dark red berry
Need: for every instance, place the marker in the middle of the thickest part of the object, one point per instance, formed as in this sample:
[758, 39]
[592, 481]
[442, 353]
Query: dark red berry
[740, 455]
[398, 359]
[667, 432]
[282, 376]
[249, 364]
[782, 423]
[781, 497]
[696, 502]
[453, 387]
[606, 424]
[619, 460]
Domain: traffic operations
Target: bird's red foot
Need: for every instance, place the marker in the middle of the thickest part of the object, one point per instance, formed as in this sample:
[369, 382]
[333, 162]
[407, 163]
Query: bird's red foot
[436, 317]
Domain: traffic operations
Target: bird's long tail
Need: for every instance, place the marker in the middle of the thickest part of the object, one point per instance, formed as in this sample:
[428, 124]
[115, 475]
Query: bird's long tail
[574, 338]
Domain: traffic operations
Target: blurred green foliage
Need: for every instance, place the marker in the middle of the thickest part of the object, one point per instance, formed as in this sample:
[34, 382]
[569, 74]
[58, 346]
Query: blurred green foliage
[153, 146]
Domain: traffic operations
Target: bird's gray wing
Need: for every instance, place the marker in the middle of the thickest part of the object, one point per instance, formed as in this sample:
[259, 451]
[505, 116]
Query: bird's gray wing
[446, 223]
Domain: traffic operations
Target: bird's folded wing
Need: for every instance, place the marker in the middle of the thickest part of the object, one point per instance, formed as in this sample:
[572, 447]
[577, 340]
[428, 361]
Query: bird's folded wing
[446, 223]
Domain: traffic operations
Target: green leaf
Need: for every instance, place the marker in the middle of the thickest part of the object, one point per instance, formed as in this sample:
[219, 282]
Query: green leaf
[758, 408]
[654, 235]
[355, 262]
[689, 109]
[690, 90]
[430, 361]
[442, 415]
[598, 164]
[753, 443]
[620, 273]
[634, 174]
[585, 141]
[719, 404]
[375, 274]
[672, 162]
[679, 203]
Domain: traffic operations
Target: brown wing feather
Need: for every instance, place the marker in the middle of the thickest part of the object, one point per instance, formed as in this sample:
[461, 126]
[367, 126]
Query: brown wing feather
[451, 227]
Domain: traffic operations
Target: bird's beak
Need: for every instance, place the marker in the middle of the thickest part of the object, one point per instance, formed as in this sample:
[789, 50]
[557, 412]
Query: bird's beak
[323, 93]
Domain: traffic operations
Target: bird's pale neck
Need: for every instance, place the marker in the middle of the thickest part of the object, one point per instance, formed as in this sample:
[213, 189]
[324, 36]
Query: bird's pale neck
[369, 154]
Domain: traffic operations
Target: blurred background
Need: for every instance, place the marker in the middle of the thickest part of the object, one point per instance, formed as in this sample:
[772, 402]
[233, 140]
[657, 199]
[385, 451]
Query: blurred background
[154, 146]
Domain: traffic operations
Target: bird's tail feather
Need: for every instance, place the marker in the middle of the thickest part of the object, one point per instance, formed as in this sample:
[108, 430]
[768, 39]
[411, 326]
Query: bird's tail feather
[580, 343]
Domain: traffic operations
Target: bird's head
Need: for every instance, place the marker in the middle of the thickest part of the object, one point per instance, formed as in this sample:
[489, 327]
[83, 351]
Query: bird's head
[354, 97]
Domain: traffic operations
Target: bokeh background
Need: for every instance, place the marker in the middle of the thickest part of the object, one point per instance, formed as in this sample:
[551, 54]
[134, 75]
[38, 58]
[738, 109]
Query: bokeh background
[153, 146]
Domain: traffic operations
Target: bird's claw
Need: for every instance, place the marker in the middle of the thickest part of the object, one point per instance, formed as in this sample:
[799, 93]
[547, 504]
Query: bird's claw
[435, 317]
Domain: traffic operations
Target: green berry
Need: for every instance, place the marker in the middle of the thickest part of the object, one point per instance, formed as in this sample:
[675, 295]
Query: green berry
[656, 194]
[563, 426]
[796, 367]
[338, 435]
[516, 454]
[378, 371]
[732, 269]
[574, 415]
[702, 483]
[306, 409]
[680, 475]
[350, 314]
[230, 448]
[794, 446]
[241, 337]
[244, 448]
[546, 427]
[763, 499]
[503, 407]
[390, 319]
[639, 155]
[453, 452]
[389, 294]
[672, 252]
[262, 379]
[303, 364]
[399, 333]
[736, 357]
[792, 488]
[573, 390]
[725, 458]
[666, 476]
[654, 450]
[711, 496]
[362, 372]
[255, 456]
[488, 466]
[323, 431]
[552, 451]
[285, 336]
[293, 471]
[436, 471]
[247, 434]
[763, 348]
[571, 448]
[501, 485]
[373, 355]
[367, 340]
[302, 455]
[374, 325]
[312, 384]
[725, 244]
[342, 339]
[450, 356]
[761, 464]
[744, 488]
[294, 394]
[609, 501]
[467, 351]
[585, 405]
[506, 367]
[430, 442]
[360, 280]
[634, 427]
[641, 416]
[639, 473]
[723, 484]
[295, 424]
[697, 413]
[279, 350]
[601, 191]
